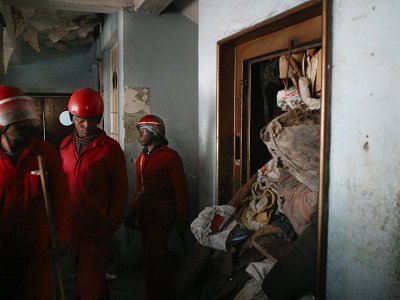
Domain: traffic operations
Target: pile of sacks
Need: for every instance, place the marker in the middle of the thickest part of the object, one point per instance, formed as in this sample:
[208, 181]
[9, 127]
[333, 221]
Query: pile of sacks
[239, 243]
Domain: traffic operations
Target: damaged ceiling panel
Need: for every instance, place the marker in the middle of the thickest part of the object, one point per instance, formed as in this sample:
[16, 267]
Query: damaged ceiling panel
[151, 7]
[64, 23]
[59, 29]
[95, 6]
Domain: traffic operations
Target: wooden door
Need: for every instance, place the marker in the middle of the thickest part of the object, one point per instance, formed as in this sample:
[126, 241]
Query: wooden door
[306, 24]
[50, 108]
[303, 25]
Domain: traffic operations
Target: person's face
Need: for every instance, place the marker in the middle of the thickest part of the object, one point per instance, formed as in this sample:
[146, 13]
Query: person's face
[20, 130]
[85, 127]
[146, 137]
[18, 135]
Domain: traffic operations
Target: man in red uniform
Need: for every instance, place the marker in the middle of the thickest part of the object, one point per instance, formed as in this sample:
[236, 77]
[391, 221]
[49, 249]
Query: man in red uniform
[25, 263]
[160, 203]
[95, 167]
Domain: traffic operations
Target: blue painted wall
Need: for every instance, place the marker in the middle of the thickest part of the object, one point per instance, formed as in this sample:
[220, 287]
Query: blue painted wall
[52, 71]
[160, 53]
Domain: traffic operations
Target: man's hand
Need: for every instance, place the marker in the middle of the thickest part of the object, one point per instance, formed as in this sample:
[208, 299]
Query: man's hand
[130, 222]
[181, 228]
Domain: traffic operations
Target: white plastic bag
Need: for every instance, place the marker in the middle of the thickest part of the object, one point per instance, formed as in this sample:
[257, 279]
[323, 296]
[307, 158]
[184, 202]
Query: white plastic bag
[304, 86]
[288, 99]
[213, 225]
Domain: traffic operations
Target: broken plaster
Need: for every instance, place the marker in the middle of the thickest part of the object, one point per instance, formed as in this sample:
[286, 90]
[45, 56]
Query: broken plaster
[136, 105]
[136, 100]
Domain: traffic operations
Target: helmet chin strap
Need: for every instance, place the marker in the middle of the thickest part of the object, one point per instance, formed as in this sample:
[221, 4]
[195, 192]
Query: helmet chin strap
[15, 146]
[4, 129]
[5, 142]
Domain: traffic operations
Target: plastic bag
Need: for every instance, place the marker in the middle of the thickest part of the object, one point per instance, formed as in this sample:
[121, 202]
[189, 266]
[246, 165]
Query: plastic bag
[304, 86]
[288, 99]
[296, 201]
[213, 225]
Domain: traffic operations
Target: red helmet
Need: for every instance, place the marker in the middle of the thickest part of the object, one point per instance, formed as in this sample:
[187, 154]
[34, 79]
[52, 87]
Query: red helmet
[153, 121]
[86, 103]
[16, 106]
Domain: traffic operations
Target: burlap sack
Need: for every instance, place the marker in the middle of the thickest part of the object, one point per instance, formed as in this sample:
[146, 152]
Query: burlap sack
[293, 139]
[296, 201]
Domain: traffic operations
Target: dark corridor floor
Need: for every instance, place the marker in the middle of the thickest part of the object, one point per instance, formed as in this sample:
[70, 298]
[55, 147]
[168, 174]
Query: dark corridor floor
[128, 285]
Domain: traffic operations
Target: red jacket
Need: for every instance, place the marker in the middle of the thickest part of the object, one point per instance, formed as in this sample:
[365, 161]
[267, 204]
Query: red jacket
[98, 182]
[164, 179]
[23, 221]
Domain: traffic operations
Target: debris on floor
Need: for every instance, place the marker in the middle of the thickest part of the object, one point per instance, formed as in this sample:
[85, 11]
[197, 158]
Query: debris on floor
[267, 231]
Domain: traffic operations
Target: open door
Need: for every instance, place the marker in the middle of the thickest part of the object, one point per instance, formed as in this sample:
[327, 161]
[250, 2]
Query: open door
[237, 114]
[245, 105]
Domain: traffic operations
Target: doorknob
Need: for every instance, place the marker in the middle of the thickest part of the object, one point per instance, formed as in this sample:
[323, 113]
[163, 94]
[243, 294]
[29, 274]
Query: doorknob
[237, 148]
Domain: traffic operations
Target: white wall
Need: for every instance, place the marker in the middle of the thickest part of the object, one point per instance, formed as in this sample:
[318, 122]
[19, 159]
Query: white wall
[364, 236]
[110, 36]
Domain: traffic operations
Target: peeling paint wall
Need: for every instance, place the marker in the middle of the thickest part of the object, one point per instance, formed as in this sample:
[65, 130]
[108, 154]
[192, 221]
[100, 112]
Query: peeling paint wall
[364, 210]
[136, 105]
[161, 73]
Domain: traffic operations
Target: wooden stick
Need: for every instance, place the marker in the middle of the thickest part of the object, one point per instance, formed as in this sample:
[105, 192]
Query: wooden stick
[52, 226]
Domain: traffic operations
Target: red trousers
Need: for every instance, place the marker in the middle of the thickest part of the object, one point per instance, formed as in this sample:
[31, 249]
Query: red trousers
[24, 278]
[91, 254]
[156, 219]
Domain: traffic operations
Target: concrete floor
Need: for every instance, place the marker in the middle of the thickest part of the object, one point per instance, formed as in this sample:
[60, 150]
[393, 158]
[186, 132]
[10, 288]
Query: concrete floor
[128, 285]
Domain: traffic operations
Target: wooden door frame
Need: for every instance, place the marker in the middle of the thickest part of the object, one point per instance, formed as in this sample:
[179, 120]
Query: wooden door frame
[308, 34]
[232, 51]
[42, 97]
[228, 92]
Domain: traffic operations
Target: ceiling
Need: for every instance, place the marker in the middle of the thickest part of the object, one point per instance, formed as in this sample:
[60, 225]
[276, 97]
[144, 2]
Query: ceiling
[64, 23]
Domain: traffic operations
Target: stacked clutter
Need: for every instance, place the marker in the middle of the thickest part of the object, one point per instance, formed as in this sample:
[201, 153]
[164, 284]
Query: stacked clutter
[241, 244]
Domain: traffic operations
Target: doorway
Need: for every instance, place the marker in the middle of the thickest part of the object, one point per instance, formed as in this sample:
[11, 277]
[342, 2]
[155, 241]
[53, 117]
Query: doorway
[238, 56]
[240, 113]
[263, 84]
[50, 107]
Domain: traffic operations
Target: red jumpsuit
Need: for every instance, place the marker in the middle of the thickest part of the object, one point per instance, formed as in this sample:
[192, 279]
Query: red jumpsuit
[160, 200]
[98, 182]
[25, 266]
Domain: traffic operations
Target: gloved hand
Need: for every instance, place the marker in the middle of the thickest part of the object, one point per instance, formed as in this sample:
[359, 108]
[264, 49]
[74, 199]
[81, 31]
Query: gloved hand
[59, 251]
[181, 228]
